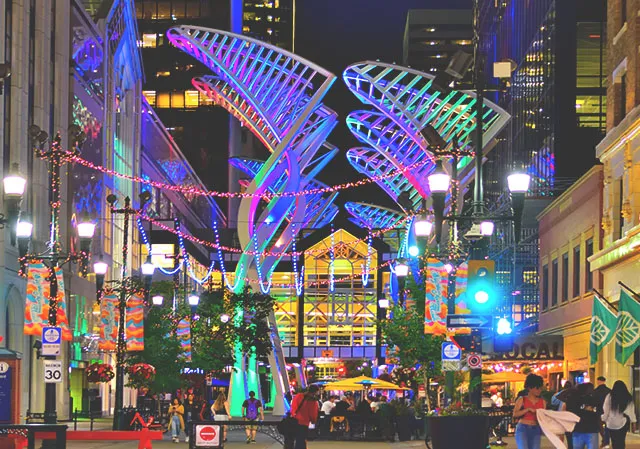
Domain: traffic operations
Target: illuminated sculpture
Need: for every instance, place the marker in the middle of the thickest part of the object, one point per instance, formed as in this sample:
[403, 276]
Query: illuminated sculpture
[412, 120]
[278, 96]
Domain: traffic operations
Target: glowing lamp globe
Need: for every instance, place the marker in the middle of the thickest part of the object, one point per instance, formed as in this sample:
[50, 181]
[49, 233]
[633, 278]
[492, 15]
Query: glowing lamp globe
[402, 269]
[148, 268]
[194, 299]
[422, 227]
[86, 229]
[225, 318]
[414, 250]
[486, 228]
[24, 229]
[383, 303]
[439, 180]
[157, 300]
[14, 185]
[504, 327]
[448, 267]
[100, 268]
[518, 182]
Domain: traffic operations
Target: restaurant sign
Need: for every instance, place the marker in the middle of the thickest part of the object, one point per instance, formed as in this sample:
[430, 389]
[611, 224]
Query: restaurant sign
[532, 348]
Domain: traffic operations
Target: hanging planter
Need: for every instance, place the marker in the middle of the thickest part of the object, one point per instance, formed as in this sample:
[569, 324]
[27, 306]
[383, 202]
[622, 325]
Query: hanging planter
[140, 375]
[100, 372]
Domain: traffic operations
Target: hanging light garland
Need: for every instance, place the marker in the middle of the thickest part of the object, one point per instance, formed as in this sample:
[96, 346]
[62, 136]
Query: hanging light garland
[216, 235]
[217, 246]
[264, 289]
[332, 255]
[191, 190]
[367, 264]
[298, 280]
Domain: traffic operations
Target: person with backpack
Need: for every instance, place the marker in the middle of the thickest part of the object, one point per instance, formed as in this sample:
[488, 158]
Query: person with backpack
[618, 414]
[584, 404]
[251, 409]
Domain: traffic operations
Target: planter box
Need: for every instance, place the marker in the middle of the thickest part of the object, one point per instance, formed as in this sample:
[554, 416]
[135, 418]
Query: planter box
[468, 432]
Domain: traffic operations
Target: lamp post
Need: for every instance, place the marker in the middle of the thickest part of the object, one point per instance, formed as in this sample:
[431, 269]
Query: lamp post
[147, 272]
[402, 271]
[52, 257]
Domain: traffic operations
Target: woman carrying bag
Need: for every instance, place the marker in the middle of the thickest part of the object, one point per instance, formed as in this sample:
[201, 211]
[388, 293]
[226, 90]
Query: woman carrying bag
[220, 412]
[618, 414]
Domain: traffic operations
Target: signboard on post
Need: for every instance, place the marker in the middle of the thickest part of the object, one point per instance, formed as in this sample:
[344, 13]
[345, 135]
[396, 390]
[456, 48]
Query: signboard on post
[207, 435]
[467, 320]
[451, 355]
[52, 371]
[474, 361]
[51, 338]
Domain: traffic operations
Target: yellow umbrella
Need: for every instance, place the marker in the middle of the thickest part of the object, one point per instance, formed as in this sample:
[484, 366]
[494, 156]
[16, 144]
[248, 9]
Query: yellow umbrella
[505, 376]
[361, 383]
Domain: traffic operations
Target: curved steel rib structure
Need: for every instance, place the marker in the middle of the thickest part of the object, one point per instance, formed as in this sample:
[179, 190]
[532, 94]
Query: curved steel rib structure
[278, 96]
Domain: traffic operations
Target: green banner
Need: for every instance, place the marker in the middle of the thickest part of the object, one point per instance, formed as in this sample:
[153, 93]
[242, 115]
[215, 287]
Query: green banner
[603, 327]
[628, 330]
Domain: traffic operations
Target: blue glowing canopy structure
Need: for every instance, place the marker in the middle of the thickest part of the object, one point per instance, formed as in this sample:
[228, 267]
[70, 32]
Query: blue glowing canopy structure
[406, 102]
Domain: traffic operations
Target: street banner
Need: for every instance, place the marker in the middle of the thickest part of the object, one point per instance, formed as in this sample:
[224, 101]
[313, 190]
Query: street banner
[109, 316]
[628, 329]
[435, 310]
[135, 324]
[603, 327]
[184, 336]
[462, 274]
[36, 313]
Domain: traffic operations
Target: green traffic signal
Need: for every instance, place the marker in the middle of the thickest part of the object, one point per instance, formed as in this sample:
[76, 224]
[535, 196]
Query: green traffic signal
[481, 283]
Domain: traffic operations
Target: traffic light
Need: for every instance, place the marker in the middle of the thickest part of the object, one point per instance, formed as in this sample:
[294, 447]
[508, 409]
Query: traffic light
[503, 337]
[481, 289]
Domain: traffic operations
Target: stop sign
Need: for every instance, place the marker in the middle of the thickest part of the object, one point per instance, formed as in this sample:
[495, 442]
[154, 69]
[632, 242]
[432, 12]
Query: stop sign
[207, 433]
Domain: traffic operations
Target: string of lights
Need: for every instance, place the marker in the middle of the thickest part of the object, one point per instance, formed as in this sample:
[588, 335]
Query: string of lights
[332, 255]
[217, 246]
[367, 264]
[298, 279]
[194, 191]
[264, 289]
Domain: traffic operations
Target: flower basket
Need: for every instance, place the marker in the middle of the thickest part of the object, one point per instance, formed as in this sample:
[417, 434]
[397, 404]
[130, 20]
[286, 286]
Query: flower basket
[140, 375]
[100, 372]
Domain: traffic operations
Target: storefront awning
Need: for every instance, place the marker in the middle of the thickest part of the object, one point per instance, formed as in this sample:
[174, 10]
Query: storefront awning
[499, 378]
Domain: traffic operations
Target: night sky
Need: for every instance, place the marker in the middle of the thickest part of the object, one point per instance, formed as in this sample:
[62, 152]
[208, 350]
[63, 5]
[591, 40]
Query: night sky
[337, 33]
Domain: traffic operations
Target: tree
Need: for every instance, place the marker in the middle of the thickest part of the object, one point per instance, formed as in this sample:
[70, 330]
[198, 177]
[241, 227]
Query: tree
[409, 345]
[245, 323]
[162, 350]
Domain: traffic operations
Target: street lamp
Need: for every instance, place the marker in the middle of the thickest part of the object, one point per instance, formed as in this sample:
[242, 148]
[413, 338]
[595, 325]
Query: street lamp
[194, 299]
[100, 269]
[518, 186]
[14, 186]
[157, 300]
[486, 228]
[147, 270]
[402, 269]
[423, 227]
[439, 183]
[224, 318]
[383, 303]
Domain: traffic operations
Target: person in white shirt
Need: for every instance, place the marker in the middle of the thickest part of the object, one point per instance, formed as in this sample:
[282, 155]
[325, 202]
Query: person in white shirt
[619, 412]
[328, 405]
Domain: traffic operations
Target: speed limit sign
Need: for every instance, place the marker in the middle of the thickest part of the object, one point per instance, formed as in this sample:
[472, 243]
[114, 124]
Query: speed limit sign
[52, 371]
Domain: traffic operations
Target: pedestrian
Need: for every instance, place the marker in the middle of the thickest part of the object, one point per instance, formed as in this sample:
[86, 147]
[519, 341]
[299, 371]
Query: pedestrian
[619, 413]
[600, 393]
[221, 412]
[386, 416]
[304, 408]
[192, 412]
[251, 409]
[176, 420]
[584, 404]
[528, 432]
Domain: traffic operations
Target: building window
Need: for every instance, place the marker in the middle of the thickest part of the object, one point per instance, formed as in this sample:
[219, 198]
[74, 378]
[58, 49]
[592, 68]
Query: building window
[588, 274]
[622, 105]
[545, 287]
[565, 276]
[149, 40]
[191, 99]
[554, 283]
[576, 271]
[150, 95]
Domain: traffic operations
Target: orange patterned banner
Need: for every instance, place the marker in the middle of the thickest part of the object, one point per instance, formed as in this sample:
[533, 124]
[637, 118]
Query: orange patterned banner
[109, 316]
[36, 314]
[135, 324]
[435, 310]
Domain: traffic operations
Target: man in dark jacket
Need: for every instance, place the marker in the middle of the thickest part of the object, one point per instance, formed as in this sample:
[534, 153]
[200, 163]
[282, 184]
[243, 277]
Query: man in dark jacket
[600, 393]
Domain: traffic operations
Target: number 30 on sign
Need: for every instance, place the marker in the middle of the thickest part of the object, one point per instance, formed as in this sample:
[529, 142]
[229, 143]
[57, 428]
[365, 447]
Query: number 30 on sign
[52, 371]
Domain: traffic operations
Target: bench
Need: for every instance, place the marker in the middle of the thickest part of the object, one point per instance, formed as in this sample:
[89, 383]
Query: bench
[144, 436]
